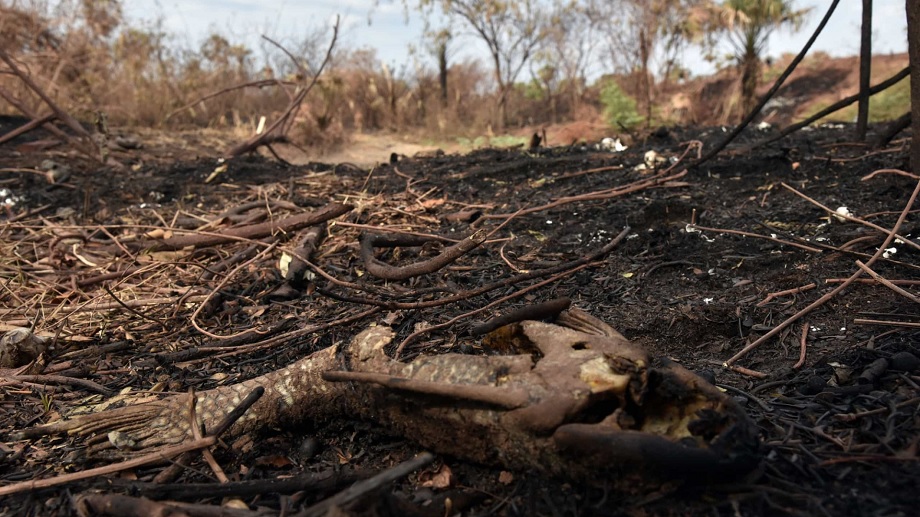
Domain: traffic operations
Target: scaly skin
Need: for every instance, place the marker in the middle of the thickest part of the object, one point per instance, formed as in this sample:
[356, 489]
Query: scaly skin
[578, 402]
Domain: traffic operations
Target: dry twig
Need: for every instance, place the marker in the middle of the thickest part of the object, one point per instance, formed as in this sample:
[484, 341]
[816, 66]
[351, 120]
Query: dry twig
[275, 131]
[822, 300]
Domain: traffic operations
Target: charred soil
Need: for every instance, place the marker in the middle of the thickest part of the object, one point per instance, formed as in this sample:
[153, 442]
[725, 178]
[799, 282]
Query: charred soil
[840, 430]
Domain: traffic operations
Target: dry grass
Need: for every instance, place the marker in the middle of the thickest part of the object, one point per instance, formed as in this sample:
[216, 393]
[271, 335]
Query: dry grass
[90, 60]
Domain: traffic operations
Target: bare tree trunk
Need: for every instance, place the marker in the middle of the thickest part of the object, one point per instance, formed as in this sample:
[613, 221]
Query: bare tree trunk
[644, 57]
[750, 69]
[390, 94]
[502, 92]
[913, 45]
[865, 70]
[442, 71]
[577, 96]
[553, 99]
[502, 110]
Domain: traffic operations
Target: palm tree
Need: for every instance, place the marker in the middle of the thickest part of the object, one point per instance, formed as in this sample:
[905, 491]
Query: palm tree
[749, 24]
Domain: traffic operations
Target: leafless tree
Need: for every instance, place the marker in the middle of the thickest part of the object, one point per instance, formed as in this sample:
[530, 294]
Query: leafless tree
[510, 30]
[570, 46]
[641, 33]
[438, 44]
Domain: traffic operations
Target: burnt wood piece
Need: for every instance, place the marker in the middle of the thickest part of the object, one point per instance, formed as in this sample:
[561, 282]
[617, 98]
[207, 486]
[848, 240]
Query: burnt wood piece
[249, 232]
[387, 272]
[539, 312]
[255, 231]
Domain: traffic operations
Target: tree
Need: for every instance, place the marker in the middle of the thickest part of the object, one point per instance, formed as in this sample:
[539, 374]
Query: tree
[439, 46]
[749, 24]
[569, 46]
[865, 70]
[102, 16]
[913, 49]
[222, 56]
[640, 32]
[511, 29]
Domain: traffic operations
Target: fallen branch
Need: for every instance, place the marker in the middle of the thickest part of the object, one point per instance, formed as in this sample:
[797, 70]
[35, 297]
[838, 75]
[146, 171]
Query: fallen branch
[874, 226]
[870, 281]
[65, 381]
[539, 312]
[464, 295]
[898, 172]
[296, 274]
[850, 417]
[896, 126]
[599, 195]
[361, 489]
[25, 128]
[64, 137]
[802, 346]
[67, 310]
[306, 482]
[387, 272]
[754, 235]
[878, 278]
[794, 290]
[117, 505]
[821, 301]
[865, 321]
[161, 455]
[62, 115]
[255, 141]
[254, 231]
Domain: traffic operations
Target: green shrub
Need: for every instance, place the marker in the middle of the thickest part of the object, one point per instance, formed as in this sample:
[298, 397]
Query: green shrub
[619, 108]
[883, 106]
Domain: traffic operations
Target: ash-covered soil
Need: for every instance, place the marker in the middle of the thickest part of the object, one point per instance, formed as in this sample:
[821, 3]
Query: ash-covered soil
[840, 429]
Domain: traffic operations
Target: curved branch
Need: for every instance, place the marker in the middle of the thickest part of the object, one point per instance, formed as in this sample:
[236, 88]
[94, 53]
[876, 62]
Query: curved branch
[464, 295]
[388, 272]
[261, 83]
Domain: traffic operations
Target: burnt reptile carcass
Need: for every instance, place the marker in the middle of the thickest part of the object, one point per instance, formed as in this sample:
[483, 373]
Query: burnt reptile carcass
[573, 398]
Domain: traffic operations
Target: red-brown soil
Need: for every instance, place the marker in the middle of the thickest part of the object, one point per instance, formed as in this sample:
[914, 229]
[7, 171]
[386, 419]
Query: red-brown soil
[816, 83]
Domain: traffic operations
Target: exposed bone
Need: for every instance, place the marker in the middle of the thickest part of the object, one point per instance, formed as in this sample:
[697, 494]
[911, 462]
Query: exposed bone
[575, 403]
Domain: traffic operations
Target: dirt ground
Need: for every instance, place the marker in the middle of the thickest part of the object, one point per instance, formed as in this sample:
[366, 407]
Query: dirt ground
[839, 431]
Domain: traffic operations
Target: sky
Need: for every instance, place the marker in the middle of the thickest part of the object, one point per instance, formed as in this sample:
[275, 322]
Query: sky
[385, 26]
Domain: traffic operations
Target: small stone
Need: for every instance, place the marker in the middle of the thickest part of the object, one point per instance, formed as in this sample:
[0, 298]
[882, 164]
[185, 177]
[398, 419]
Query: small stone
[308, 447]
[814, 385]
[904, 362]
[128, 142]
[708, 375]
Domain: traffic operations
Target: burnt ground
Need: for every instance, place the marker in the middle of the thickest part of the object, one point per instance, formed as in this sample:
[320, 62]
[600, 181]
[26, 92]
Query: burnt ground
[839, 437]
